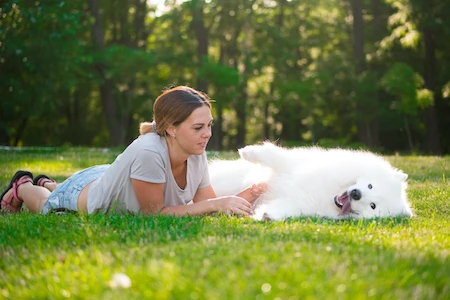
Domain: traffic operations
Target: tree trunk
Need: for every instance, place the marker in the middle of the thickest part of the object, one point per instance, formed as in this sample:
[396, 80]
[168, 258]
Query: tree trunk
[377, 36]
[408, 134]
[4, 136]
[272, 85]
[358, 47]
[241, 114]
[106, 87]
[431, 122]
[20, 131]
[358, 36]
[241, 105]
[141, 33]
[217, 138]
[201, 35]
[266, 106]
[123, 20]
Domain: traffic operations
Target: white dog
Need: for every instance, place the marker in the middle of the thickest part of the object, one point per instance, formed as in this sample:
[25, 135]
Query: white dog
[312, 181]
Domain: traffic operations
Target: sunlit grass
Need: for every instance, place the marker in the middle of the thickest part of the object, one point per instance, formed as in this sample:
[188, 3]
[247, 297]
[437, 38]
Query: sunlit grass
[221, 257]
[59, 163]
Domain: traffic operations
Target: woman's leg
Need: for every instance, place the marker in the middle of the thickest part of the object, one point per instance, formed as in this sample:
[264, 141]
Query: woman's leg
[33, 196]
[72, 193]
[45, 181]
[51, 186]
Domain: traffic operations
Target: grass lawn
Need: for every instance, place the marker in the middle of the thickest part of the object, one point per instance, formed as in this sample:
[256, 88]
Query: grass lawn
[219, 257]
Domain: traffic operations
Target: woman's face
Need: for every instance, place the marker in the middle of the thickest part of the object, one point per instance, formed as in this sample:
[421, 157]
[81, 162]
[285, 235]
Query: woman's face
[194, 133]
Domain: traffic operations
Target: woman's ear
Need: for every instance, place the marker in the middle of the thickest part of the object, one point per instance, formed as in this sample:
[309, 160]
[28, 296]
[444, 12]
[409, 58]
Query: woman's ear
[171, 130]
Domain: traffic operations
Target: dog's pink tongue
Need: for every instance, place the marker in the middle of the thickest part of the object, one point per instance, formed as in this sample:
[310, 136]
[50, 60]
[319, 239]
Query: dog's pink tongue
[346, 208]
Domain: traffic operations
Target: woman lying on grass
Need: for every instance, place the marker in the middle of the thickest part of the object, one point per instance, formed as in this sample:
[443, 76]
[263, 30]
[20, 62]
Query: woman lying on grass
[161, 171]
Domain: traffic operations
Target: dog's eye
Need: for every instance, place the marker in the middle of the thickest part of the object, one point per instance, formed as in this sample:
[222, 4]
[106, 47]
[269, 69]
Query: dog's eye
[369, 186]
[373, 205]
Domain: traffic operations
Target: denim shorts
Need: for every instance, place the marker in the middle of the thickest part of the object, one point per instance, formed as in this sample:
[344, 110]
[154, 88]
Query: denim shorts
[66, 194]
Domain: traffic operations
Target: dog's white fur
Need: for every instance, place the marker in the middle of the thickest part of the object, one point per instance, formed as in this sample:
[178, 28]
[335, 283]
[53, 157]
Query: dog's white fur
[305, 181]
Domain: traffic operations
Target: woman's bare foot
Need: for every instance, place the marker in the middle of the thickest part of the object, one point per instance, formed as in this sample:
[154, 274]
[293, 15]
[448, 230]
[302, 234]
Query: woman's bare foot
[10, 199]
[15, 204]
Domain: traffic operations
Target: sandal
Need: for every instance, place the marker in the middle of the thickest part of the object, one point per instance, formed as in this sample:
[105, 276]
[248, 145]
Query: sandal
[18, 179]
[42, 179]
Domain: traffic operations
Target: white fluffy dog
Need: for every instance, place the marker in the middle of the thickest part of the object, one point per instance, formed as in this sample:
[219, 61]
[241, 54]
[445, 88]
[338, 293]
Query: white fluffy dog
[311, 181]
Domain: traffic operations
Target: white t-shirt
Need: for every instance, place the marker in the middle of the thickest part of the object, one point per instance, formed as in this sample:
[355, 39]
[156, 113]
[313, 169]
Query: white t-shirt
[146, 159]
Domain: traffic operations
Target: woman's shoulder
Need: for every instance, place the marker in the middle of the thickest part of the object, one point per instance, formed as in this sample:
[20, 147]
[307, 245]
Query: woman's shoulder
[150, 141]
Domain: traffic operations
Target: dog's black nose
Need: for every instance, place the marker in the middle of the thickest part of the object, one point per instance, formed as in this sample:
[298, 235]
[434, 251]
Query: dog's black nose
[355, 194]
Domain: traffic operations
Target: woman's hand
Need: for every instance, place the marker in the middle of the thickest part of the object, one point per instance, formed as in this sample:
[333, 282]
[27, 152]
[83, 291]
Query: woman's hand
[232, 205]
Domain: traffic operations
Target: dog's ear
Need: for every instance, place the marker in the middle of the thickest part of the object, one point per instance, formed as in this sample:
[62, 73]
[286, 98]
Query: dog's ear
[400, 175]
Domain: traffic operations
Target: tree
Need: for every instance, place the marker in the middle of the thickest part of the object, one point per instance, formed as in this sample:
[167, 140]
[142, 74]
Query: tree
[41, 61]
[416, 24]
[407, 86]
[106, 85]
[294, 71]
[366, 106]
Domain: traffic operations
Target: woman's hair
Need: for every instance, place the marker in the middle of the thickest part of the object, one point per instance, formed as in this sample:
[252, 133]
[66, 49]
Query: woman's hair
[172, 107]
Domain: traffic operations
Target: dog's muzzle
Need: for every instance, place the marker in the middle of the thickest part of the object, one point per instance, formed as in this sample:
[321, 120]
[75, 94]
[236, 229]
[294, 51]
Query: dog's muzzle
[343, 202]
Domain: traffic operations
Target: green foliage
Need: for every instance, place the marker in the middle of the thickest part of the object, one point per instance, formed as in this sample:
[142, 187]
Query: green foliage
[286, 68]
[425, 98]
[40, 56]
[219, 75]
[403, 82]
[403, 31]
[123, 62]
[225, 257]
[297, 90]
[446, 90]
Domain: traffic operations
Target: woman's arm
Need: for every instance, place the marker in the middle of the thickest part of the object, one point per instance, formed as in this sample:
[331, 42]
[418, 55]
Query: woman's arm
[253, 192]
[150, 196]
[250, 194]
[151, 200]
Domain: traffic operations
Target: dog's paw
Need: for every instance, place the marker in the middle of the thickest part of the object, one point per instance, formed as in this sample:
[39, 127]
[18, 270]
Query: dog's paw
[266, 218]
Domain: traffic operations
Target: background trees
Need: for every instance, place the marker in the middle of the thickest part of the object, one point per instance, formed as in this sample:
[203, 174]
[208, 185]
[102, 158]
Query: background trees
[329, 72]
